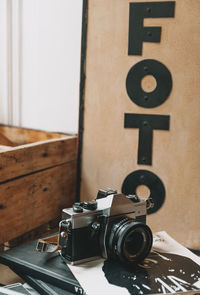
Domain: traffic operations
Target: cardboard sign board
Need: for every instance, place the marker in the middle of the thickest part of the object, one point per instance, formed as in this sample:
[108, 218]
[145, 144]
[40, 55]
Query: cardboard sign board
[139, 114]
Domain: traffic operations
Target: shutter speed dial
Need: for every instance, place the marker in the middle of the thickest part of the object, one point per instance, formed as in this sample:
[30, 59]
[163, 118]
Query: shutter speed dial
[77, 207]
[90, 205]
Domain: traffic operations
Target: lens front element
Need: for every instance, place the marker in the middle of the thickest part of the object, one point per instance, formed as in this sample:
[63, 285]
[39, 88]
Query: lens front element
[129, 241]
[134, 243]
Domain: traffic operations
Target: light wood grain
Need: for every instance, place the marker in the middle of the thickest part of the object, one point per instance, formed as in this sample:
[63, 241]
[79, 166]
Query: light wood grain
[33, 157]
[33, 200]
[20, 136]
[5, 141]
[7, 276]
[5, 148]
[37, 179]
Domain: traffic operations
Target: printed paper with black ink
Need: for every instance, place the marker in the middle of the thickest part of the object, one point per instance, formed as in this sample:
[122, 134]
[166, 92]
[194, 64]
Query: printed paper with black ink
[169, 268]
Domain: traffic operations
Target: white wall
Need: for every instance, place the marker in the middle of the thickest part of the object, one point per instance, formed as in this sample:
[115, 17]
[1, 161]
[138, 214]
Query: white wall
[39, 82]
[4, 95]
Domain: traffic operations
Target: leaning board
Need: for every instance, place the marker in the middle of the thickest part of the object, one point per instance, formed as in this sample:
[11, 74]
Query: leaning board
[108, 150]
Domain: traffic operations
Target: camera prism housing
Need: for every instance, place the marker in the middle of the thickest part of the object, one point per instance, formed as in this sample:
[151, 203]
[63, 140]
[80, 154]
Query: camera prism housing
[113, 227]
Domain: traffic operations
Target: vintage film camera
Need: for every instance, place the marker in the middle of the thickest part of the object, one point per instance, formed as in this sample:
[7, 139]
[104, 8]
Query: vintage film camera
[112, 226]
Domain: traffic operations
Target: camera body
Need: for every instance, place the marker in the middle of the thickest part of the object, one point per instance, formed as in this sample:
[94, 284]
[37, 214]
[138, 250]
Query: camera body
[111, 226]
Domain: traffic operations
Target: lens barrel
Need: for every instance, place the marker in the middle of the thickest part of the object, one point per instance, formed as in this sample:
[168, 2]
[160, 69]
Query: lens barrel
[128, 241]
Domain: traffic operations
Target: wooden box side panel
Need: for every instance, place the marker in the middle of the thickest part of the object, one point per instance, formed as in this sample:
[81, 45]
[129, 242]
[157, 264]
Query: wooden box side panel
[33, 200]
[15, 136]
[109, 151]
[37, 156]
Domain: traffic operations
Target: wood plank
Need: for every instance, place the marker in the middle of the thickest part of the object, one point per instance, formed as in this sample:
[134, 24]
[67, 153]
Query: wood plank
[36, 156]
[30, 201]
[20, 136]
[5, 148]
[36, 233]
[8, 276]
[5, 141]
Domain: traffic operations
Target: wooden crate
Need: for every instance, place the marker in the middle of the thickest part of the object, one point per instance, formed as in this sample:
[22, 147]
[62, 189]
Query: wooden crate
[37, 178]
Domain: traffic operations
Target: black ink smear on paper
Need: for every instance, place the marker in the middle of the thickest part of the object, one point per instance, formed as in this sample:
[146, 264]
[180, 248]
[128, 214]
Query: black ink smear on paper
[159, 273]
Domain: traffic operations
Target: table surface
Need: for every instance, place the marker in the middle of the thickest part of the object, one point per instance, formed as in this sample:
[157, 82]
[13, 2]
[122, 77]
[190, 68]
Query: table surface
[7, 276]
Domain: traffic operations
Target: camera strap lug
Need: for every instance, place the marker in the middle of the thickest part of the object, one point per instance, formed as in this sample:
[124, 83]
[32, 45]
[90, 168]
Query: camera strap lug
[49, 244]
[149, 203]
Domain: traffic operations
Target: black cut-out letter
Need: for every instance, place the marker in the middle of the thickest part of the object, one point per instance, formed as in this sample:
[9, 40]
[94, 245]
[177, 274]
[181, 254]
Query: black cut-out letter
[152, 181]
[146, 125]
[137, 32]
[163, 79]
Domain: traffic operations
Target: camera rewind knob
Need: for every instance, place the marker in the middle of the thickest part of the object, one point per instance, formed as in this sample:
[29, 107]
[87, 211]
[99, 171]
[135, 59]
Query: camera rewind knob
[77, 208]
[90, 205]
[134, 198]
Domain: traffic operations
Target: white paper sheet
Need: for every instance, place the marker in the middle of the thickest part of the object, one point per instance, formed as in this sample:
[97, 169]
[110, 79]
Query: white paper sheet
[169, 268]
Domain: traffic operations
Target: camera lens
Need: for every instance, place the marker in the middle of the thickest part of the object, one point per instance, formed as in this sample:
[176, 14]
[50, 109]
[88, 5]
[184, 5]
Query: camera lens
[133, 243]
[129, 241]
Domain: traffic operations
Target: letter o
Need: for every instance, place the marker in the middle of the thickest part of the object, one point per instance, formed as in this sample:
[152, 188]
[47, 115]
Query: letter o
[159, 94]
[151, 180]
